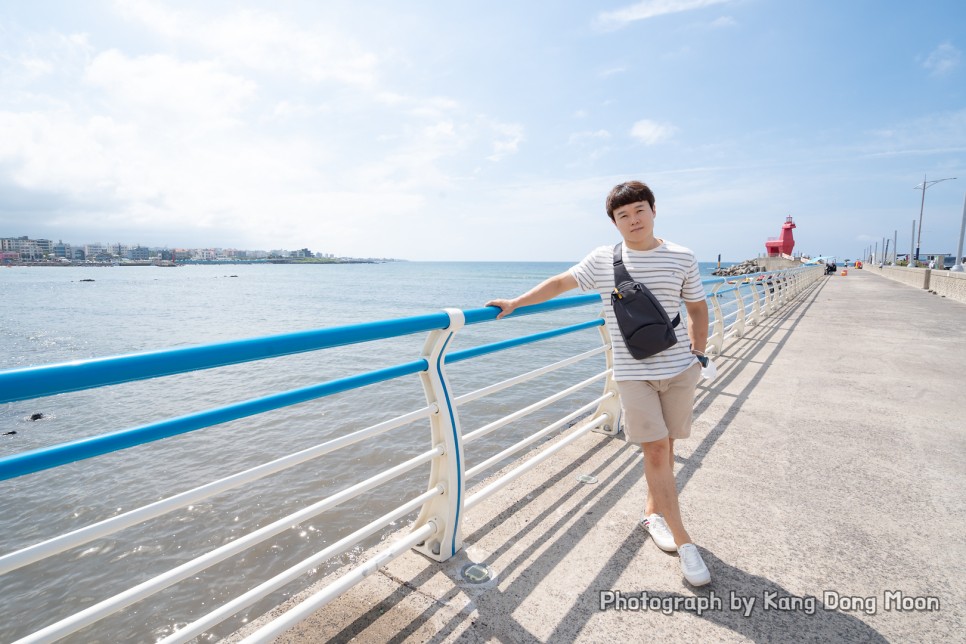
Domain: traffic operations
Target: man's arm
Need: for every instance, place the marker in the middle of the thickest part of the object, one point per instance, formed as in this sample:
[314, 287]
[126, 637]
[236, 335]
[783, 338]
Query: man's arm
[545, 290]
[698, 325]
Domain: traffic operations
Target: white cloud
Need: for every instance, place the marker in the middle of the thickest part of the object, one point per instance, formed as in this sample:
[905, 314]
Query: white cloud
[508, 137]
[588, 136]
[724, 22]
[649, 9]
[612, 71]
[943, 59]
[651, 132]
[199, 89]
[264, 41]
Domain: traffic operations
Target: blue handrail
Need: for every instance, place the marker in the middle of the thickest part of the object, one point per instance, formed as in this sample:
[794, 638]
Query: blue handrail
[484, 349]
[34, 382]
[47, 380]
[49, 457]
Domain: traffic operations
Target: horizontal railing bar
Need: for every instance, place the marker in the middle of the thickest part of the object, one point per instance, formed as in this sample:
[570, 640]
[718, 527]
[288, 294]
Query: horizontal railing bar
[50, 457]
[517, 415]
[292, 617]
[487, 313]
[156, 584]
[473, 352]
[500, 386]
[291, 574]
[513, 449]
[79, 537]
[47, 380]
[510, 476]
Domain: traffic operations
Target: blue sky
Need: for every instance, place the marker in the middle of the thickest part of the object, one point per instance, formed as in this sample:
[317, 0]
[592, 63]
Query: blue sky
[481, 131]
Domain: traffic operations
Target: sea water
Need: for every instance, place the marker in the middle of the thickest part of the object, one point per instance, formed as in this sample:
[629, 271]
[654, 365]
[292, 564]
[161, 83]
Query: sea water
[52, 315]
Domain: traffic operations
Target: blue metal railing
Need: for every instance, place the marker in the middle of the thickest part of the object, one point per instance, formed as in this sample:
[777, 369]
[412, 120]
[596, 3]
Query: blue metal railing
[435, 532]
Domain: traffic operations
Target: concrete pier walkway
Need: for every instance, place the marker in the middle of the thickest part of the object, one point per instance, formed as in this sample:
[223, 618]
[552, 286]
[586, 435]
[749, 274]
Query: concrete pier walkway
[828, 459]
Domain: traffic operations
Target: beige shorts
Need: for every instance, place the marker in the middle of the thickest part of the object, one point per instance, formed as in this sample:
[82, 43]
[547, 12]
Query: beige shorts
[656, 409]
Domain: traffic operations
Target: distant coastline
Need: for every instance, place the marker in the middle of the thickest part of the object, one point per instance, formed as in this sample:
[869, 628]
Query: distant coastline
[203, 262]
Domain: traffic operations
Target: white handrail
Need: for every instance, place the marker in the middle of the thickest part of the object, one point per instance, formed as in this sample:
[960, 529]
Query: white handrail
[289, 619]
[31, 554]
[513, 449]
[113, 604]
[486, 429]
[530, 375]
[510, 476]
[225, 611]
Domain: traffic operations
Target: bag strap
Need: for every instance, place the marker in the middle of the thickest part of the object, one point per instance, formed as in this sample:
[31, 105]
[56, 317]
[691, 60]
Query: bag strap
[620, 272]
[621, 275]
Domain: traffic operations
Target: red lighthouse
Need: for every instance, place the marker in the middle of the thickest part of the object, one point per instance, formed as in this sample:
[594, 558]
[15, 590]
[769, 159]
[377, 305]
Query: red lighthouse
[785, 242]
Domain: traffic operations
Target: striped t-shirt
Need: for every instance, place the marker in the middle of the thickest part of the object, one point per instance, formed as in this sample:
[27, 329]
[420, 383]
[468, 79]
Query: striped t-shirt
[670, 272]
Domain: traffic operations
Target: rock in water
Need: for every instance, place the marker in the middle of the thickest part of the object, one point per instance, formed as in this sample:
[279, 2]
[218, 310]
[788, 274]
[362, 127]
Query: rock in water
[745, 267]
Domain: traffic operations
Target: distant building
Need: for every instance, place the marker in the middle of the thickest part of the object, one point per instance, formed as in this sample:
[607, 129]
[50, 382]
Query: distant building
[28, 249]
[93, 250]
[45, 246]
[61, 249]
[140, 254]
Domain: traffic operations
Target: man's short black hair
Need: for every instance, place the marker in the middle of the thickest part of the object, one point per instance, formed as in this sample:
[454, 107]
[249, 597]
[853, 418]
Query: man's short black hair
[628, 192]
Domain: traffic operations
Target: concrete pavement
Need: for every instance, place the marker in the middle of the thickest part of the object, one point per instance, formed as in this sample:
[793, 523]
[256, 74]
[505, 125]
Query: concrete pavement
[827, 461]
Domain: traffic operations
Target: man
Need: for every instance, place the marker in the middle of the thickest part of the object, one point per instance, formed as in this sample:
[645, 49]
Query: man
[657, 393]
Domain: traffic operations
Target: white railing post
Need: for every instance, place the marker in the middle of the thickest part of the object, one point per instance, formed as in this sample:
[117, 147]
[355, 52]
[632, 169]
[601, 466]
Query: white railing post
[756, 313]
[612, 405]
[447, 469]
[780, 290]
[716, 339]
[740, 320]
[771, 301]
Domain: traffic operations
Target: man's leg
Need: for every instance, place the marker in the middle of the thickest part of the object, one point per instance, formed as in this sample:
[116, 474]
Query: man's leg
[662, 492]
[649, 504]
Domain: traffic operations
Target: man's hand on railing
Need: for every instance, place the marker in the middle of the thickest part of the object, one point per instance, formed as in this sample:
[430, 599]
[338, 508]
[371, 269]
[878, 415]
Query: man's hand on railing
[545, 290]
[506, 307]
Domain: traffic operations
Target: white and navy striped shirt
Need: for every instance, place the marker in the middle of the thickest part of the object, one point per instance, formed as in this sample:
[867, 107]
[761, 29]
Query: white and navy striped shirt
[671, 273]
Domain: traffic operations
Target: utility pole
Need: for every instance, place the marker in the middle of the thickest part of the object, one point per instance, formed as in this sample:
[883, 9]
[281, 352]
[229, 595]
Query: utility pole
[912, 238]
[958, 266]
[922, 186]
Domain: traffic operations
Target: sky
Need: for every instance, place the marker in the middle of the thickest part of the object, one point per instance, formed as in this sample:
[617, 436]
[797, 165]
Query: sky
[483, 131]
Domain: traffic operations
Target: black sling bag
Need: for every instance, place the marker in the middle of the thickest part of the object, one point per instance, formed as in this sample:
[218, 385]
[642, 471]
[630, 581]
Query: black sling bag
[645, 325]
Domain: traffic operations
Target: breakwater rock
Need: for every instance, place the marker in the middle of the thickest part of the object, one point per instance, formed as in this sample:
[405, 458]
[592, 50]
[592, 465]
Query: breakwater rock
[745, 267]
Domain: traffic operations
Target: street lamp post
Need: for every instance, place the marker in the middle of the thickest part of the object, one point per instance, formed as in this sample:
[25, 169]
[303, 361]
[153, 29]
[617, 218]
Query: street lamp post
[958, 267]
[922, 186]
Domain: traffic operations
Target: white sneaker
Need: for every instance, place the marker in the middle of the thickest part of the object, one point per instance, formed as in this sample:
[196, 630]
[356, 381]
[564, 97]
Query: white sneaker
[692, 565]
[656, 526]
